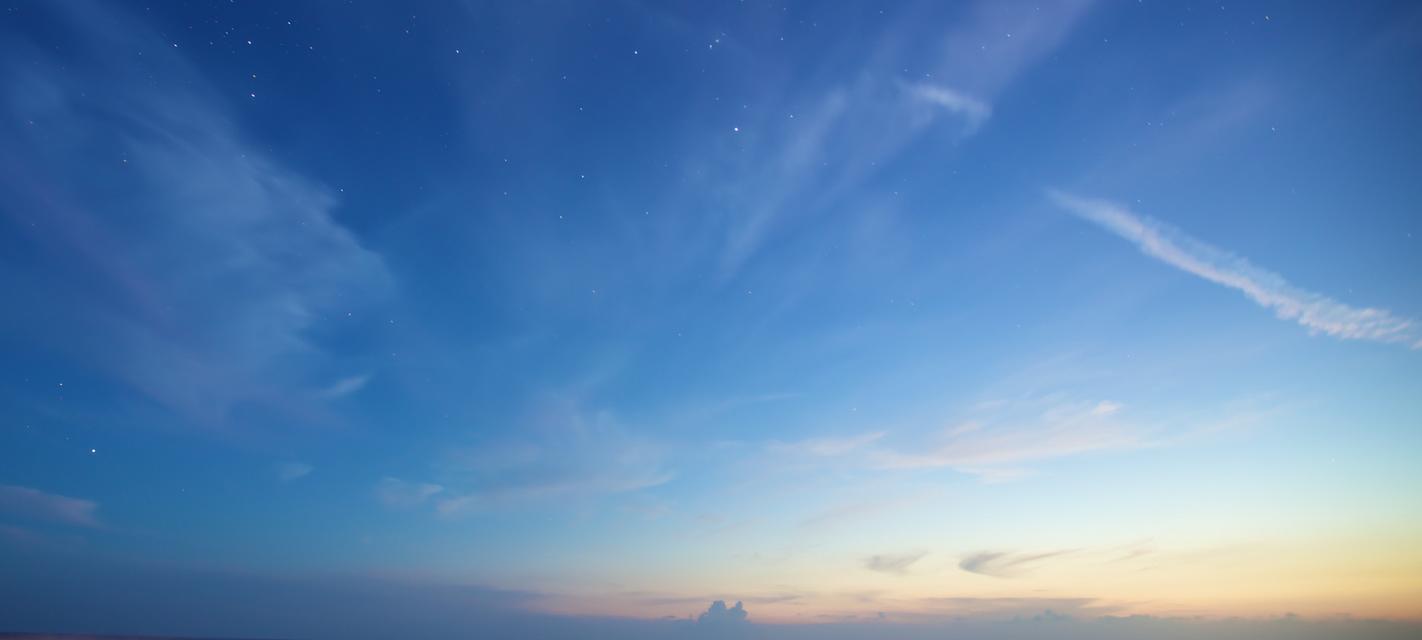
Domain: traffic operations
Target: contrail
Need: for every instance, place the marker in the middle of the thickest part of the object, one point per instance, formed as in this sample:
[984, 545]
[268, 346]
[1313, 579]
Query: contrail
[1317, 312]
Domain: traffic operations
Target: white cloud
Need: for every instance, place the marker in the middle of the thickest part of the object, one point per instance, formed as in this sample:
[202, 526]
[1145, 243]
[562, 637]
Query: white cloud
[975, 112]
[346, 386]
[1316, 312]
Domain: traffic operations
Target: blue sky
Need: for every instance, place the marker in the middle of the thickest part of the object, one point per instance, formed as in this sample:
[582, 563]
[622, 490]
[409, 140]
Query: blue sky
[860, 313]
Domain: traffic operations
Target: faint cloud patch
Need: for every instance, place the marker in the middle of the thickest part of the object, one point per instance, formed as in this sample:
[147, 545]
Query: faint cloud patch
[182, 259]
[565, 451]
[974, 112]
[397, 493]
[32, 504]
[893, 564]
[346, 386]
[294, 470]
[1003, 609]
[874, 506]
[999, 564]
[994, 449]
[1106, 408]
[828, 446]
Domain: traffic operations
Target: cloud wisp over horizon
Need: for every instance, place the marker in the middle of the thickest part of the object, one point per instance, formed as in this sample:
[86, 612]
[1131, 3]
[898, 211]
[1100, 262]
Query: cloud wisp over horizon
[994, 448]
[1001, 564]
[893, 563]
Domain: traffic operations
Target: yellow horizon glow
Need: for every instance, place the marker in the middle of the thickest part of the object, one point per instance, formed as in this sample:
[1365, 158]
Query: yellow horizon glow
[1374, 577]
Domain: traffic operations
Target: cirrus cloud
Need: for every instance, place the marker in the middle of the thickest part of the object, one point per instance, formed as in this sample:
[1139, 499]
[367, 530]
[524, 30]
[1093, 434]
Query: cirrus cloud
[1314, 311]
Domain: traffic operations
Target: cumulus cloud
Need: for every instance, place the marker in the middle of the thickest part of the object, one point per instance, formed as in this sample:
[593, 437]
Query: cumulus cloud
[719, 615]
[1005, 565]
[1315, 312]
[894, 564]
[33, 504]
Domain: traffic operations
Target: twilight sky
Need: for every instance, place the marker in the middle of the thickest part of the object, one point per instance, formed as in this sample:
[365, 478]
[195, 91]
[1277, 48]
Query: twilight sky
[567, 319]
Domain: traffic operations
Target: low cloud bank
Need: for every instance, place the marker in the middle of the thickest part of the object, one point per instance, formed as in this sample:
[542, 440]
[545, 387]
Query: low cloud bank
[97, 597]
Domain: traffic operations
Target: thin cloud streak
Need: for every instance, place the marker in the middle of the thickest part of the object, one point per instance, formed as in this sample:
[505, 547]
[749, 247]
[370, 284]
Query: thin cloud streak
[1005, 565]
[844, 134]
[294, 471]
[974, 111]
[397, 493]
[33, 504]
[568, 451]
[895, 563]
[1316, 312]
[346, 386]
[828, 446]
[990, 451]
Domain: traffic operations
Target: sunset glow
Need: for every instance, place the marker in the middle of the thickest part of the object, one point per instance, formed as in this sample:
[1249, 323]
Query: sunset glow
[972, 319]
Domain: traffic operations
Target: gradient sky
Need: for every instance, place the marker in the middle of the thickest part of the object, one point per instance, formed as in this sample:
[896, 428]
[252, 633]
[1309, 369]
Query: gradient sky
[856, 312]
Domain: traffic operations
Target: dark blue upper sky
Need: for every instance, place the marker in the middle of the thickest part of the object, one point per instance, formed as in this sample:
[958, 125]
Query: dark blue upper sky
[851, 310]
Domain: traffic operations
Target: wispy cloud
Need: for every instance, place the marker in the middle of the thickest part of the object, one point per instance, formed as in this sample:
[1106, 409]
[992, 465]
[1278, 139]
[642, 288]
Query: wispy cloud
[197, 272]
[828, 446]
[397, 493]
[992, 450]
[895, 563]
[1001, 564]
[293, 470]
[33, 504]
[864, 509]
[1316, 312]
[564, 451]
[592, 485]
[974, 111]
[842, 134]
[346, 386]
[1016, 609]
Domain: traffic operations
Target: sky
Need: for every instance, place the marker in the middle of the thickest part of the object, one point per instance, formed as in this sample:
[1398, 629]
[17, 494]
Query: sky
[702, 319]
